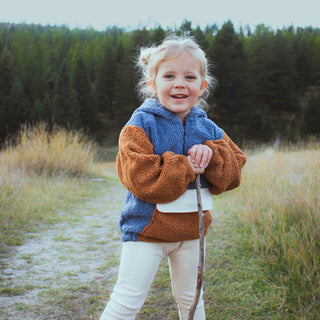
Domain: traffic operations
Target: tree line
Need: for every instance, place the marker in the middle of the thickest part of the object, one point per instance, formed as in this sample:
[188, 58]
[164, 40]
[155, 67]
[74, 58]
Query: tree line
[268, 80]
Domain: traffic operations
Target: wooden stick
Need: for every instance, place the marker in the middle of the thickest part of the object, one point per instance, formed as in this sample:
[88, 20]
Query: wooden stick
[201, 251]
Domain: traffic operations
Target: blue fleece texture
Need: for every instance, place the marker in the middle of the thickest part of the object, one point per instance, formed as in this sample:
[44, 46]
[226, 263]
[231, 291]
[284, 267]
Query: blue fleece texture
[166, 133]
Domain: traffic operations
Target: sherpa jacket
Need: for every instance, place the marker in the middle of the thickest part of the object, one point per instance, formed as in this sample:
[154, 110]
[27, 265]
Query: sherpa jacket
[152, 164]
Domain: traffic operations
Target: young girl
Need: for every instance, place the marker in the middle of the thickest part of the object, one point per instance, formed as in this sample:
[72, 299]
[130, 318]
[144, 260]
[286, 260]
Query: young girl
[167, 141]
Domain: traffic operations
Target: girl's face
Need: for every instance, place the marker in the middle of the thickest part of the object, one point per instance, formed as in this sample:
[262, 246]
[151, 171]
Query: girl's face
[179, 84]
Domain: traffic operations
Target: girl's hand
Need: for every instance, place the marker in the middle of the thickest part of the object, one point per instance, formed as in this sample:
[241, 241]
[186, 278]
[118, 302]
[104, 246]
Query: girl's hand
[199, 157]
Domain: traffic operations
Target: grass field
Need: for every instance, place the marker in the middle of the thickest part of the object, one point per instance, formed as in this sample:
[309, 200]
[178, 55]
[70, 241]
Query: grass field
[270, 228]
[42, 173]
[262, 251]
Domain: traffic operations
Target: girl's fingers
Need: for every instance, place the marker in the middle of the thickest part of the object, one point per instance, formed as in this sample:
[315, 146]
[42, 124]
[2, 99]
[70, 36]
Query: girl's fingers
[209, 155]
[195, 170]
[200, 155]
[192, 153]
[204, 159]
[197, 159]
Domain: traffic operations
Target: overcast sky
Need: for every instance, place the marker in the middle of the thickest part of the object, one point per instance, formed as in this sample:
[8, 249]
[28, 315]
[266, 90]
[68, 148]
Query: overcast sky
[99, 14]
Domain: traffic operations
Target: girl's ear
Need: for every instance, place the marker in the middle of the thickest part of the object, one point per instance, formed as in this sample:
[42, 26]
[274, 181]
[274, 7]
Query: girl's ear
[151, 84]
[203, 87]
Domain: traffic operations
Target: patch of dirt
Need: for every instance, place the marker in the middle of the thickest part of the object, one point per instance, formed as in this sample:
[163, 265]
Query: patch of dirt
[66, 270]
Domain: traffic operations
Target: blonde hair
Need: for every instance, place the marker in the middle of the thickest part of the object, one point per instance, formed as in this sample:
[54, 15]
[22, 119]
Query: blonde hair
[150, 59]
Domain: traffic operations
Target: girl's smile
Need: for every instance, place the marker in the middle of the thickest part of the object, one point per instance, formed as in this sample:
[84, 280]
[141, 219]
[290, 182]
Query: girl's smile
[179, 84]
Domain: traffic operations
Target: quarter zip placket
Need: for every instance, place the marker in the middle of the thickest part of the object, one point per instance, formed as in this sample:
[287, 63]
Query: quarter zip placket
[184, 140]
[183, 130]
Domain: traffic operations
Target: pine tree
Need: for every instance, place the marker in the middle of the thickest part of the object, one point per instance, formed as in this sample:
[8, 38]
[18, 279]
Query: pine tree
[185, 28]
[312, 114]
[281, 78]
[7, 76]
[67, 112]
[82, 87]
[303, 61]
[105, 85]
[125, 98]
[157, 35]
[7, 73]
[18, 107]
[200, 38]
[230, 69]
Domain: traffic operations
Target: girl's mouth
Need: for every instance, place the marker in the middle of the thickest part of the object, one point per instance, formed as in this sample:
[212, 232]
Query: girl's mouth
[179, 96]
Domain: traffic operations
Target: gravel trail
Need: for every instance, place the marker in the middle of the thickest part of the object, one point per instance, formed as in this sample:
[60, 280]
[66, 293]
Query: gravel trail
[65, 272]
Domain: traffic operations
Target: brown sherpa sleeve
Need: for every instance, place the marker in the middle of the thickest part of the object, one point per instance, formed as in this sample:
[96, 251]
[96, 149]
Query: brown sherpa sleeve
[152, 178]
[224, 169]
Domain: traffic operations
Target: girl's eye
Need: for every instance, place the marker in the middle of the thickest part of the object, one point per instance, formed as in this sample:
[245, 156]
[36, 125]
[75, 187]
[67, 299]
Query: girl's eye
[168, 76]
[191, 77]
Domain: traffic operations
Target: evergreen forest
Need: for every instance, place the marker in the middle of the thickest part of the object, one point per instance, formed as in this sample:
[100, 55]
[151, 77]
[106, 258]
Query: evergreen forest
[268, 80]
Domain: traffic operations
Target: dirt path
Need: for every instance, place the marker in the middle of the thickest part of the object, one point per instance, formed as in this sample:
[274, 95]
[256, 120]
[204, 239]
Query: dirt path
[66, 271]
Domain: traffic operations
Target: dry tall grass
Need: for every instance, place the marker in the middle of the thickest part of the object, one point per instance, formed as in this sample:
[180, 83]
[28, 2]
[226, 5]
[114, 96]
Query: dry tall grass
[278, 205]
[38, 174]
[56, 152]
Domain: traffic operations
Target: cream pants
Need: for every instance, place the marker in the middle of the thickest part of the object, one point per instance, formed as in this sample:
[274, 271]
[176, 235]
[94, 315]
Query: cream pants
[138, 266]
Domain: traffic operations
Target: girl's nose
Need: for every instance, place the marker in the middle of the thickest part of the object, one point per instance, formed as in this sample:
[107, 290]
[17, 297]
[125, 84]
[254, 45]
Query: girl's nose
[179, 82]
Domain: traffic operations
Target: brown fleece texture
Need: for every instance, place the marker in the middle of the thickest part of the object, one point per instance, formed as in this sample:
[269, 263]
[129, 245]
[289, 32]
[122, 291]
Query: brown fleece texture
[151, 178]
[174, 226]
[161, 179]
[224, 169]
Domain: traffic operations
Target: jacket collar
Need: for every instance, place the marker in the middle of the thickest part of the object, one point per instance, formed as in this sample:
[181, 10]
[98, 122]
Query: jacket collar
[152, 106]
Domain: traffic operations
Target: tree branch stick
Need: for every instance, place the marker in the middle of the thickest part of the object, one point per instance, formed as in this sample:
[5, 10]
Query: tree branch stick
[201, 251]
